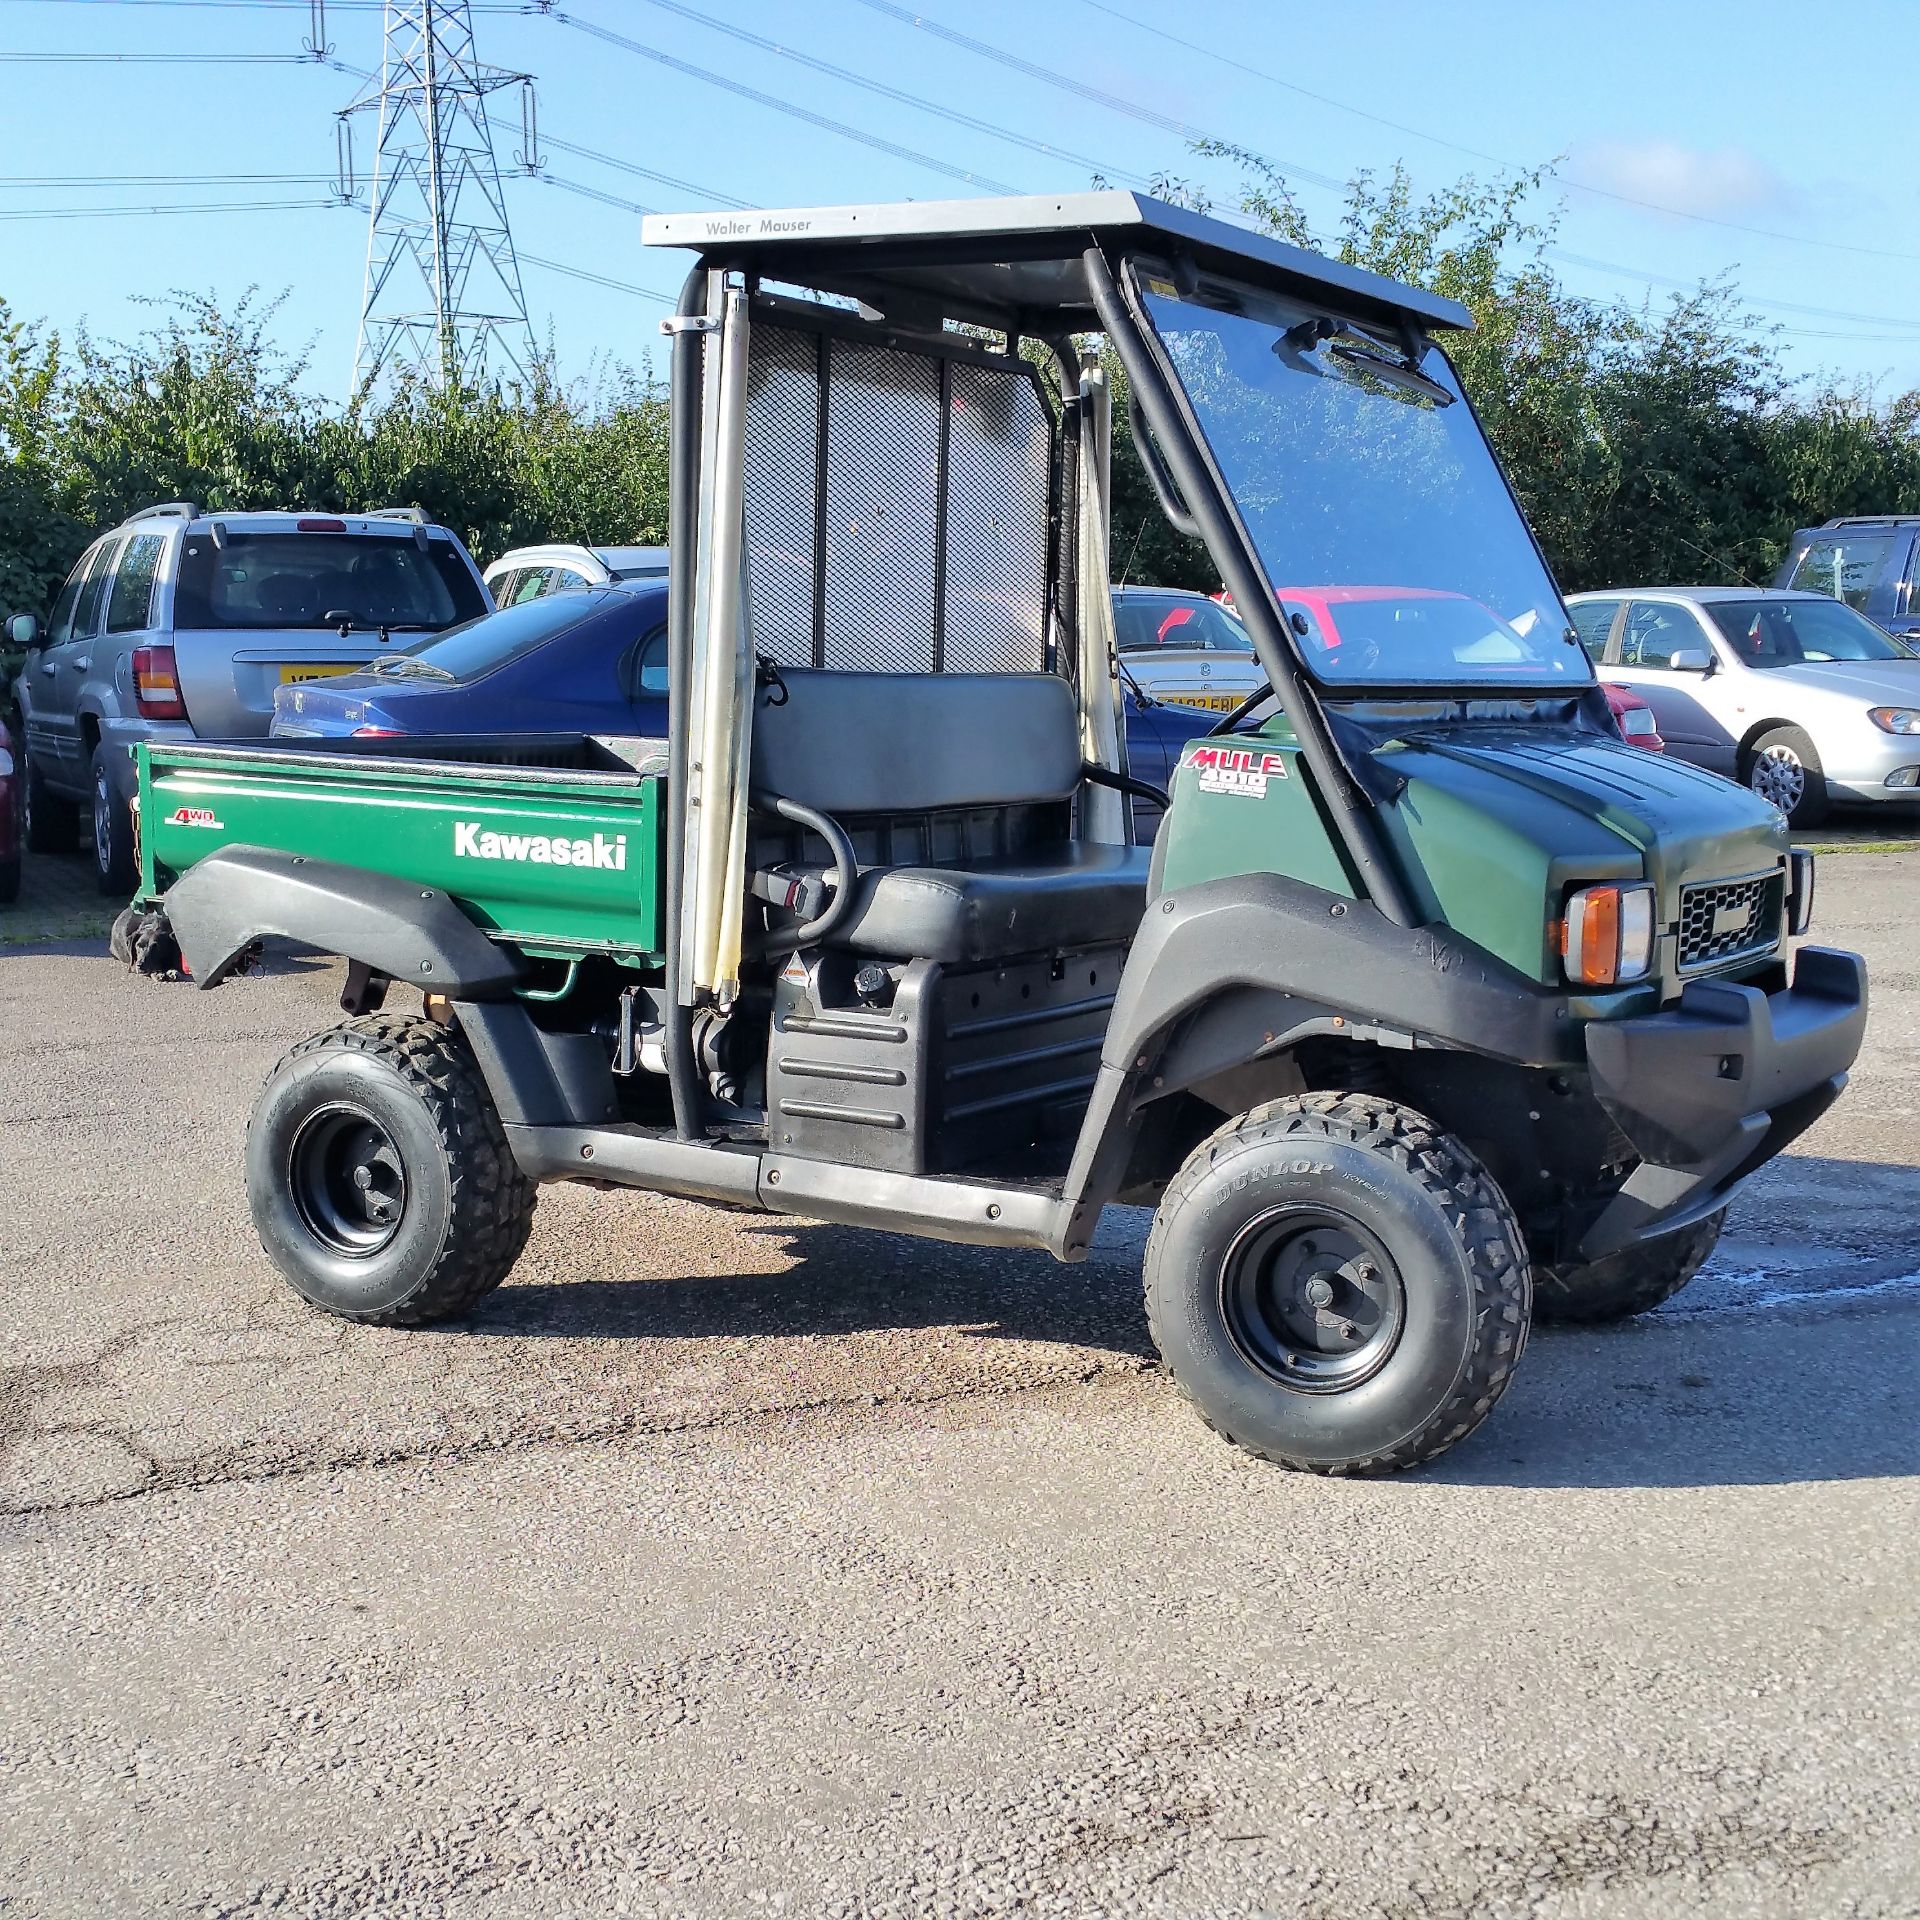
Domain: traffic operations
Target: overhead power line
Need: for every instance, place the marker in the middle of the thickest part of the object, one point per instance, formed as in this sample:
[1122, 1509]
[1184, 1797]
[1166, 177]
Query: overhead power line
[1081, 89]
[1046, 149]
[599, 279]
[592, 193]
[1752, 300]
[164, 179]
[775, 104]
[1573, 181]
[165, 59]
[267, 6]
[197, 206]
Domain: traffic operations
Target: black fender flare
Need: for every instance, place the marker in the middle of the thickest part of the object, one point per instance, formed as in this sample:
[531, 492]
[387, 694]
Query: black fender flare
[1236, 968]
[239, 894]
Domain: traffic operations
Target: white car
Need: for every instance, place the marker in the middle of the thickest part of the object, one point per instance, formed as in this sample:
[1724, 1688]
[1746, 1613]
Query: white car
[1184, 648]
[1795, 694]
[531, 573]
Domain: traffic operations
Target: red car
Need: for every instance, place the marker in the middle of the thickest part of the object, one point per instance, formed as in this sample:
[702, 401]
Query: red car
[1633, 717]
[1319, 614]
[12, 795]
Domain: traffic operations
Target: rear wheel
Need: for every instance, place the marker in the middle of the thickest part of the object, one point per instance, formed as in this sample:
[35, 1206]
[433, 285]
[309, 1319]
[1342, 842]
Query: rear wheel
[115, 866]
[1338, 1285]
[1784, 767]
[52, 823]
[1635, 1280]
[379, 1177]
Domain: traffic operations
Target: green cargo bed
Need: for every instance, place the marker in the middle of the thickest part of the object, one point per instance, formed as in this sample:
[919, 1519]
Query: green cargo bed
[551, 841]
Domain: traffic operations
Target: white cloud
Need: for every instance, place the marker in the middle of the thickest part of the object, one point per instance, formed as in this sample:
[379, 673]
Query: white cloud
[1724, 182]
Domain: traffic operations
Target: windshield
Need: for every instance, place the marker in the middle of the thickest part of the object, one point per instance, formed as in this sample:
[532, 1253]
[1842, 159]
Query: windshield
[484, 645]
[311, 579]
[1784, 633]
[1364, 479]
[1156, 622]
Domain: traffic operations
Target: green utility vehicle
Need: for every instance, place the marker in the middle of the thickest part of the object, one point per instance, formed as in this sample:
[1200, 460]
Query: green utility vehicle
[1432, 1006]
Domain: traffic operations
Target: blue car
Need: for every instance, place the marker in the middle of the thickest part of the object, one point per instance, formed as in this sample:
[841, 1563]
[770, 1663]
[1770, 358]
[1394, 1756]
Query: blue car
[590, 662]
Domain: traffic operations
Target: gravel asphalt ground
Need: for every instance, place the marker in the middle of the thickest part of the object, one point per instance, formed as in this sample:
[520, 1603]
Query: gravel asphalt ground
[720, 1566]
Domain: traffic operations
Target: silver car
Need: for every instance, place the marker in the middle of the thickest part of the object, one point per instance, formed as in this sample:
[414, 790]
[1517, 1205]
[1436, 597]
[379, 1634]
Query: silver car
[1795, 694]
[531, 573]
[1184, 648]
[183, 624]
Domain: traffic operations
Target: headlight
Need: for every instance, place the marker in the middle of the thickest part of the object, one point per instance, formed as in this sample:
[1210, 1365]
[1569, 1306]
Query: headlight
[1607, 935]
[1895, 719]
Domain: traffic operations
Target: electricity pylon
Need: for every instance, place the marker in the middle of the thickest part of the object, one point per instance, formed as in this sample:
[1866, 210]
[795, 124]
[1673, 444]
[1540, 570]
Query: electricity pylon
[442, 299]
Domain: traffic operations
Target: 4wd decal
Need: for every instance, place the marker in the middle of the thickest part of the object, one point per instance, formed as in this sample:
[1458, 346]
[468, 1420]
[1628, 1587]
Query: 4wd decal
[193, 817]
[605, 851]
[1243, 770]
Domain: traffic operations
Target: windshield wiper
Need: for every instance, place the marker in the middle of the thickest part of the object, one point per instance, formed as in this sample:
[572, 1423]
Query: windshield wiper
[1297, 346]
[1395, 373]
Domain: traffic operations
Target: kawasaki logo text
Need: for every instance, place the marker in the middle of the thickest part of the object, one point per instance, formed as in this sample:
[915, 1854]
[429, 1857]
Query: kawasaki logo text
[606, 851]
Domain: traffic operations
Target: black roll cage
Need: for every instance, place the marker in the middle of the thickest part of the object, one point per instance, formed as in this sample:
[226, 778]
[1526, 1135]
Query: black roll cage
[1179, 459]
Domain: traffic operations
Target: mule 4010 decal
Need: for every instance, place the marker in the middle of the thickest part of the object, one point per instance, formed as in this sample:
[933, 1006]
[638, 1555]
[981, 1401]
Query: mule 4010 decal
[1243, 770]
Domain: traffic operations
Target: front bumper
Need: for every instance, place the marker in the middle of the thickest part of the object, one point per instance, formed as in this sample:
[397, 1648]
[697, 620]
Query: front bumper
[1866, 764]
[1713, 1088]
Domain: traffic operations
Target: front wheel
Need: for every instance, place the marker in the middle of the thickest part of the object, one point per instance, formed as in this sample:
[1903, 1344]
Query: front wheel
[1634, 1280]
[1783, 767]
[379, 1177]
[1338, 1285]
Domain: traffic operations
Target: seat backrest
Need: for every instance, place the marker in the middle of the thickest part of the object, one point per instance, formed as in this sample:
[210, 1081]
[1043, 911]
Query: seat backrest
[869, 743]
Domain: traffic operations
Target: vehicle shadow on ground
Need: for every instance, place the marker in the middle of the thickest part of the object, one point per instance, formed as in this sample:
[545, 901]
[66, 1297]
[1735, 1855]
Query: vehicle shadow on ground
[842, 1281]
[1668, 1400]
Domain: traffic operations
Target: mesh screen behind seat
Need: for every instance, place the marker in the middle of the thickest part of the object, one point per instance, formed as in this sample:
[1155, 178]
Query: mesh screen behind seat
[924, 544]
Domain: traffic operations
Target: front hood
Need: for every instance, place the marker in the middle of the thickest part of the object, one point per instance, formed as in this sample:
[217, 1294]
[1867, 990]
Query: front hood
[1640, 798]
[1501, 823]
[1872, 683]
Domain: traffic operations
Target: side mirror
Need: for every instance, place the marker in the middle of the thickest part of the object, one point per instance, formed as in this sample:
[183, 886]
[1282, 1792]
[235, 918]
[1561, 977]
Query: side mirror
[23, 630]
[1691, 660]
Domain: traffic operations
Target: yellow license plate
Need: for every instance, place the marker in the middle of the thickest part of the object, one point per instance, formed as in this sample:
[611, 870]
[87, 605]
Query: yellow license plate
[1213, 702]
[316, 670]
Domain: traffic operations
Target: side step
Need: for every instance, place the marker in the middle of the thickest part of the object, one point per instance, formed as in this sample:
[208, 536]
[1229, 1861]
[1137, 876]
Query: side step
[976, 1213]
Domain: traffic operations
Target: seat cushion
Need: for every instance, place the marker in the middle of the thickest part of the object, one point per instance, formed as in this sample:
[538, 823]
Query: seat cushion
[1069, 896]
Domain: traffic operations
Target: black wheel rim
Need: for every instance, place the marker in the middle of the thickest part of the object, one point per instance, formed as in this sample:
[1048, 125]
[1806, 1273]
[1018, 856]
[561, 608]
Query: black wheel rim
[347, 1180]
[1312, 1299]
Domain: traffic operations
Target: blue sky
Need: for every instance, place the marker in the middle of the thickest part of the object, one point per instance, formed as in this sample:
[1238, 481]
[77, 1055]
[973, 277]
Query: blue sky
[1762, 121]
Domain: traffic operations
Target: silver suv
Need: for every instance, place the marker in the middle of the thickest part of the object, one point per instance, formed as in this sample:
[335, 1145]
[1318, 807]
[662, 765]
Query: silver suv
[183, 624]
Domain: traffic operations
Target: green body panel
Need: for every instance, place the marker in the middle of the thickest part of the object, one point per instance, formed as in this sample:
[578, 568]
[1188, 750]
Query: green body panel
[1215, 835]
[574, 864]
[1493, 827]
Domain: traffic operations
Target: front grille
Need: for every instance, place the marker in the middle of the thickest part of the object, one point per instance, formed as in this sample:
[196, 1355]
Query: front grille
[1722, 920]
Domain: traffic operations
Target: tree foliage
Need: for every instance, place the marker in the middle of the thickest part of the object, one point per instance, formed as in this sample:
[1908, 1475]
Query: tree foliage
[205, 407]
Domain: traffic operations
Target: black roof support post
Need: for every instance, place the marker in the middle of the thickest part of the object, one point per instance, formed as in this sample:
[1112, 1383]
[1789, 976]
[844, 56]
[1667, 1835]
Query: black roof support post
[1349, 808]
